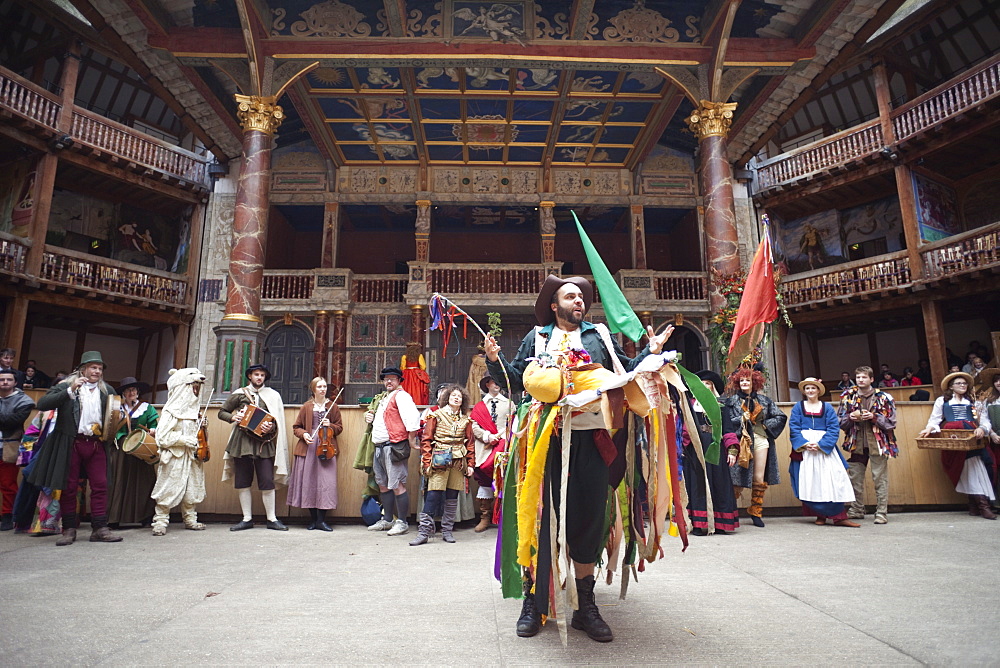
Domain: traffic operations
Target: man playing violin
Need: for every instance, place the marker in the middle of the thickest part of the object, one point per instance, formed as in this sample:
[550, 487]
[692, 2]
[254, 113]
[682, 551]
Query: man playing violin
[249, 454]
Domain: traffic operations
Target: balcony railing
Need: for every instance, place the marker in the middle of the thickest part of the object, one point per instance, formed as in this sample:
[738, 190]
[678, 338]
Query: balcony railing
[34, 103]
[379, 289]
[287, 285]
[79, 271]
[679, 286]
[970, 251]
[13, 254]
[976, 87]
[852, 279]
[486, 279]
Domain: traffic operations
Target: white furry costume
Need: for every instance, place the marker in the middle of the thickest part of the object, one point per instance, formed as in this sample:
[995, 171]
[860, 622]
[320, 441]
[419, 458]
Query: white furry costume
[180, 478]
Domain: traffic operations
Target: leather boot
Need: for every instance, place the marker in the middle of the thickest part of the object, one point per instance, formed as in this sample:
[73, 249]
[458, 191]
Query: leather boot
[425, 529]
[587, 617]
[530, 621]
[973, 506]
[6, 522]
[100, 533]
[984, 507]
[485, 515]
[756, 509]
[68, 537]
[448, 519]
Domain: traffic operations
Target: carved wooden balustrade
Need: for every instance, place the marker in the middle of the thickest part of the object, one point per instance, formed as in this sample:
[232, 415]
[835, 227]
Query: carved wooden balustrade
[680, 286]
[971, 90]
[40, 108]
[282, 285]
[79, 272]
[970, 251]
[845, 281]
[379, 289]
[13, 254]
[486, 279]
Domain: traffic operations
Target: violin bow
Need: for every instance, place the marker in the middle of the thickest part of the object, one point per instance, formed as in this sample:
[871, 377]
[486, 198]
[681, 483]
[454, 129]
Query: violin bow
[316, 430]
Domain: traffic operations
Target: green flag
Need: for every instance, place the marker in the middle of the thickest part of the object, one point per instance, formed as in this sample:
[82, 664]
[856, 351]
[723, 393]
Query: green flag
[712, 411]
[621, 317]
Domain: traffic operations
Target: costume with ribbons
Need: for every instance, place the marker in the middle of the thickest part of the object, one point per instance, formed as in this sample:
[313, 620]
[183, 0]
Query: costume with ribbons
[577, 477]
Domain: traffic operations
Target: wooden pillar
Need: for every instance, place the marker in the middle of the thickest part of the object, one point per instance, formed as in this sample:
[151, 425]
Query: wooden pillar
[13, 334]
[873, 354]
[423, 230]
[638, 237]
[45, 179]
[418, 324]
[67, 81]
[331, 235]
[196, 227]
[547, 227]
[338, 348]
[934, 327]
[182, 335]
[904, 178]
[781, 361]
[710, 122]
[321, 351]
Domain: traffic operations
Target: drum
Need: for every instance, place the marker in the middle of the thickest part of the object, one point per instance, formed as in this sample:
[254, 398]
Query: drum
[140, 443]
[255, 418]
[112, 418]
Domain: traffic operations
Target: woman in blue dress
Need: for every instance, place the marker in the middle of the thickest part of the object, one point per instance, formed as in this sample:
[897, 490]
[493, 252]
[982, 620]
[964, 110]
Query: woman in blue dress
[818, 470]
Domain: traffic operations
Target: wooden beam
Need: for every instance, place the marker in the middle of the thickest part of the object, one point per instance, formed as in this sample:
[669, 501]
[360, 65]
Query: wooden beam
[122, 313]
[934, 328]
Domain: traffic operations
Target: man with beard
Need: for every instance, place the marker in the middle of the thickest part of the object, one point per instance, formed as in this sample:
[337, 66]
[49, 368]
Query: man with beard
[560, 309]
[248, 454]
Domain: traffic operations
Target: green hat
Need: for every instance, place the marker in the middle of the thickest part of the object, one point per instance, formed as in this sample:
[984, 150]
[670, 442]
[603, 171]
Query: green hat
[90, 357]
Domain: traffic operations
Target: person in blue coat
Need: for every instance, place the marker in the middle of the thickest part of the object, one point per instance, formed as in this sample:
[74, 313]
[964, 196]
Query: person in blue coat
[818, 470]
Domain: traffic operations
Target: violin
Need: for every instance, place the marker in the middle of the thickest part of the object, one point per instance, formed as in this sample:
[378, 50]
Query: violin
[202, 453]
[325, 438]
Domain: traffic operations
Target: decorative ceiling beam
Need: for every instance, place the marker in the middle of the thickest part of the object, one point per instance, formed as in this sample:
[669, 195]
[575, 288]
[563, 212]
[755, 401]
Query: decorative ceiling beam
[728, 12]
[580, 18]
[395, 17]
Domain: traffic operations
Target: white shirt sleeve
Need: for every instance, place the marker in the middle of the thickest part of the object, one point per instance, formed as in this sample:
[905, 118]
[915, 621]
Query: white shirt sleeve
[408, 412]
[937, 414]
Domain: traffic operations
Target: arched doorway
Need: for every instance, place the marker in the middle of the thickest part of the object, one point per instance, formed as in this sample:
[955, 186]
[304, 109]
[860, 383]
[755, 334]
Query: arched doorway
[689, 344]
[288, 353]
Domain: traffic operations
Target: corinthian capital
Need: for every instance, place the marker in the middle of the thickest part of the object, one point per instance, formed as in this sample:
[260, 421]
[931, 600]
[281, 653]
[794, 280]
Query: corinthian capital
[259, 113]
[711, 119]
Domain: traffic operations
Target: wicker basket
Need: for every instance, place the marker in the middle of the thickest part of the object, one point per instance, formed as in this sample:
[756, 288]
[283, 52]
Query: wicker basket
[951, 439]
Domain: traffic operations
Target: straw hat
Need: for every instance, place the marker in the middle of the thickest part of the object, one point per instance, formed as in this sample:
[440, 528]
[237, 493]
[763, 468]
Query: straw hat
[986, 377]
[946, 381]
[812, 381]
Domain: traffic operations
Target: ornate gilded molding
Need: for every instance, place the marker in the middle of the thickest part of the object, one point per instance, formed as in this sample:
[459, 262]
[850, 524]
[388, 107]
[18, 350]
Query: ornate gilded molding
[711, 119]
[259, 113]
[241, 316]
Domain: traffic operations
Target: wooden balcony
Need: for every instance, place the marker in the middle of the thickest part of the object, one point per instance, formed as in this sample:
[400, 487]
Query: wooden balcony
[969, 255]
[89, 276]
[968, 93]
[486, 285]
[38, 111]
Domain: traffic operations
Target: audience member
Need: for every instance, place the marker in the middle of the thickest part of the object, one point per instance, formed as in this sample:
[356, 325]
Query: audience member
[845, 381]
[7, 356]
[909, 378]
[888, 380]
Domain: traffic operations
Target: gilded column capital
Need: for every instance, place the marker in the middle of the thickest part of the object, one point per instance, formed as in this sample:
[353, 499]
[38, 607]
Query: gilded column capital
[259, 113]
[711, 119]
[546, 204]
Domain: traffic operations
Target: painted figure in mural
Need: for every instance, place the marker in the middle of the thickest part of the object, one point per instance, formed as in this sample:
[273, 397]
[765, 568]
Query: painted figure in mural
[497, 22]
[811, 245]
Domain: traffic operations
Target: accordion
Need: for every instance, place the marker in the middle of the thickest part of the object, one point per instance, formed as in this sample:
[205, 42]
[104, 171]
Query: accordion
[254, 419]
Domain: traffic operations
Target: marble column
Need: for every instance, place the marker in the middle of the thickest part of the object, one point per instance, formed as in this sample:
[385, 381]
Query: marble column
[338, 349]
[240, 333]
[547, 227]
[331, 234]
[638, 240]
[320, 352]
[423, 230]
[418, 324]
[710, 123]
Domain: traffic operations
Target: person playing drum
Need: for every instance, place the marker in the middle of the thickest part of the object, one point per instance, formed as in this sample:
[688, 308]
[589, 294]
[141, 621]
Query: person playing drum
[180, 477]
[131, 478]
[248, 453]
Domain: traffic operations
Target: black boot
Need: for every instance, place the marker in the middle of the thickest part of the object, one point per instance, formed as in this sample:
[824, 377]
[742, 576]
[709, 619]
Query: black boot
[321, 524]
[587, 617]
[6, 522]
[530, 621]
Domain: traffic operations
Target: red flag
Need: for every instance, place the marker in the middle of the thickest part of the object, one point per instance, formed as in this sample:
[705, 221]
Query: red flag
[758, 306]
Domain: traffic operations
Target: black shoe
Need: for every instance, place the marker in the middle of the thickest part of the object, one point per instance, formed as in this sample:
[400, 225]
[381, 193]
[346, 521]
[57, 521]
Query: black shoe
[6, 522]
[277, 525]
[588, 618]
[242, 526]
[323, 526]
[757, 522]
[312, 525]
[720, 532]
[530, 621]
[698, 531]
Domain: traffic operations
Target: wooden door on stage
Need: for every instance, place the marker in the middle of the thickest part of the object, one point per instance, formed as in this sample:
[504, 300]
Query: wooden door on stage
[288, 353]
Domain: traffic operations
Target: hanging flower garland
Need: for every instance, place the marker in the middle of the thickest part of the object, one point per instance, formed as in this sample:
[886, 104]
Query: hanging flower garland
[721, 325]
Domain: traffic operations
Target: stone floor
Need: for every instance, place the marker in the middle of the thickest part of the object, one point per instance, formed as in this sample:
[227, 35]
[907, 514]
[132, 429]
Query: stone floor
[922, 589]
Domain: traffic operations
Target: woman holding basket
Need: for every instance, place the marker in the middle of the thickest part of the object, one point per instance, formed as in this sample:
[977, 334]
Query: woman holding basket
[968, 469]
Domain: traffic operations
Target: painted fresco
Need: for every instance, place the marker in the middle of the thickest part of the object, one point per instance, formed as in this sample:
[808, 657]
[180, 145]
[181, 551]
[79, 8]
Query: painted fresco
[881, 218]
[937, 208]
[811, 242]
